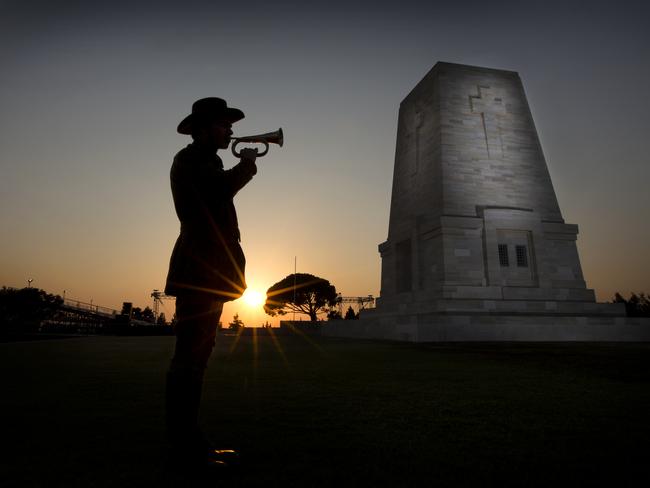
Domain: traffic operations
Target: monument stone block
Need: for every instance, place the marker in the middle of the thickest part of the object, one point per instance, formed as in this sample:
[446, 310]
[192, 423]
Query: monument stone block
[476, 237]
[473, 206]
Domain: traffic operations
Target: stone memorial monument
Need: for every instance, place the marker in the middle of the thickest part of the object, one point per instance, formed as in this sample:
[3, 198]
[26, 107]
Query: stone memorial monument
[477, 247]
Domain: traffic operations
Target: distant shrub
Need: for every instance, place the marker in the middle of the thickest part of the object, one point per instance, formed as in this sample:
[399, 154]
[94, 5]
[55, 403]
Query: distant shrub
[636, 305]
[236, 323]
[350, 314]
[22, 310]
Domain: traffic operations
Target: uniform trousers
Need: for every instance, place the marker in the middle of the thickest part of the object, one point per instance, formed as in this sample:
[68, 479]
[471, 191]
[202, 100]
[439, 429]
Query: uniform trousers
[197, 318]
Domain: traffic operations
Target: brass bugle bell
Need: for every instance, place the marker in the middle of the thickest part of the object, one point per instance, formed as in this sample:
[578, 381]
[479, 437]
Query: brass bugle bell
[270, 137]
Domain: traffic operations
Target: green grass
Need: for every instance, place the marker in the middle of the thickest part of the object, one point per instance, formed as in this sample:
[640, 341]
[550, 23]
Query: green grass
[88, 412]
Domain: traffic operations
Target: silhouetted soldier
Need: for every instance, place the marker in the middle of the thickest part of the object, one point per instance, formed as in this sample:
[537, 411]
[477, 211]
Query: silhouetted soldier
[206, 268]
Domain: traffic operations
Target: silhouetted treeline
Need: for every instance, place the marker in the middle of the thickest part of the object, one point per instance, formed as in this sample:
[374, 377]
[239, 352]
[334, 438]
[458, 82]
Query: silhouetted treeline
[636, 305]
[22, 310]
[147, 314]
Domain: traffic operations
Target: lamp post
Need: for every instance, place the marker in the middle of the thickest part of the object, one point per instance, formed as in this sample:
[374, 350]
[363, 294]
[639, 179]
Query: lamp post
[29, 282]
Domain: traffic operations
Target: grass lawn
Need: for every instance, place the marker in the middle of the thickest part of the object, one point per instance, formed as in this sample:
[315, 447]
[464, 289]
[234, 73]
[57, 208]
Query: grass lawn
[326, 412]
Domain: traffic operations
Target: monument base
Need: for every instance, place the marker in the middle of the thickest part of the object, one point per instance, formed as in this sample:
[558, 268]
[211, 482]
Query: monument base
[491, 328]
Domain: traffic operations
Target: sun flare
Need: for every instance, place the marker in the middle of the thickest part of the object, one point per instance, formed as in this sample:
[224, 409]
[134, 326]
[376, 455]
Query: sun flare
[253, 298]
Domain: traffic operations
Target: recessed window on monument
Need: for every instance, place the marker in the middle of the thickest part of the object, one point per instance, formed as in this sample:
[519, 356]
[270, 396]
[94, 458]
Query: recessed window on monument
[522, 256]
[404, 263]
[503, 255]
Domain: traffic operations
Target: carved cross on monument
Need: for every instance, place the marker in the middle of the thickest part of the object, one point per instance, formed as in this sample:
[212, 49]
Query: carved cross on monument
[490, 107]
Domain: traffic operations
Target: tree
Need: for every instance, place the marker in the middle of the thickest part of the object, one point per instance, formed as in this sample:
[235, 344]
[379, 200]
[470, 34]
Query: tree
[147, 314]
[162, 320]
[24, 309]
[334, 314]
[636, 305]
[127, 308]
[236, 323]
[350, 314]
[300, 293]
[136, 313]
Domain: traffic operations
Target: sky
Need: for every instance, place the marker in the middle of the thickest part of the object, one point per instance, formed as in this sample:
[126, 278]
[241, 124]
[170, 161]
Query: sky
[92, 92]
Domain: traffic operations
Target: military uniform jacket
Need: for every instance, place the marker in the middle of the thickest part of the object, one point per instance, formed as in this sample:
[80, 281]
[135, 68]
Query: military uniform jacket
[207, 256]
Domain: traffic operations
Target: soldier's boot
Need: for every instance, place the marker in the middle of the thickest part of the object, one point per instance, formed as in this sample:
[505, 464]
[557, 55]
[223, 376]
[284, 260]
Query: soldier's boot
[190, 446]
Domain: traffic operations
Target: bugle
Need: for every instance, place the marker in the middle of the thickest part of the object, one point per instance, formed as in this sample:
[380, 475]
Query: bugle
[269, 138]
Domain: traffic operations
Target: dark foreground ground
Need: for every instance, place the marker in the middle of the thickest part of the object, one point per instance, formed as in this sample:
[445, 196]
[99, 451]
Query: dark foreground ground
[87, 412]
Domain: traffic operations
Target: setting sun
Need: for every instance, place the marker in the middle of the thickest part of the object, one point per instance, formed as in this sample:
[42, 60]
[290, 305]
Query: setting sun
[253, 298]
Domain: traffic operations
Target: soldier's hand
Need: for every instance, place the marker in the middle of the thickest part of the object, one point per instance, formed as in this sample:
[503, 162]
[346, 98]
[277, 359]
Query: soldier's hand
[248, 157]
